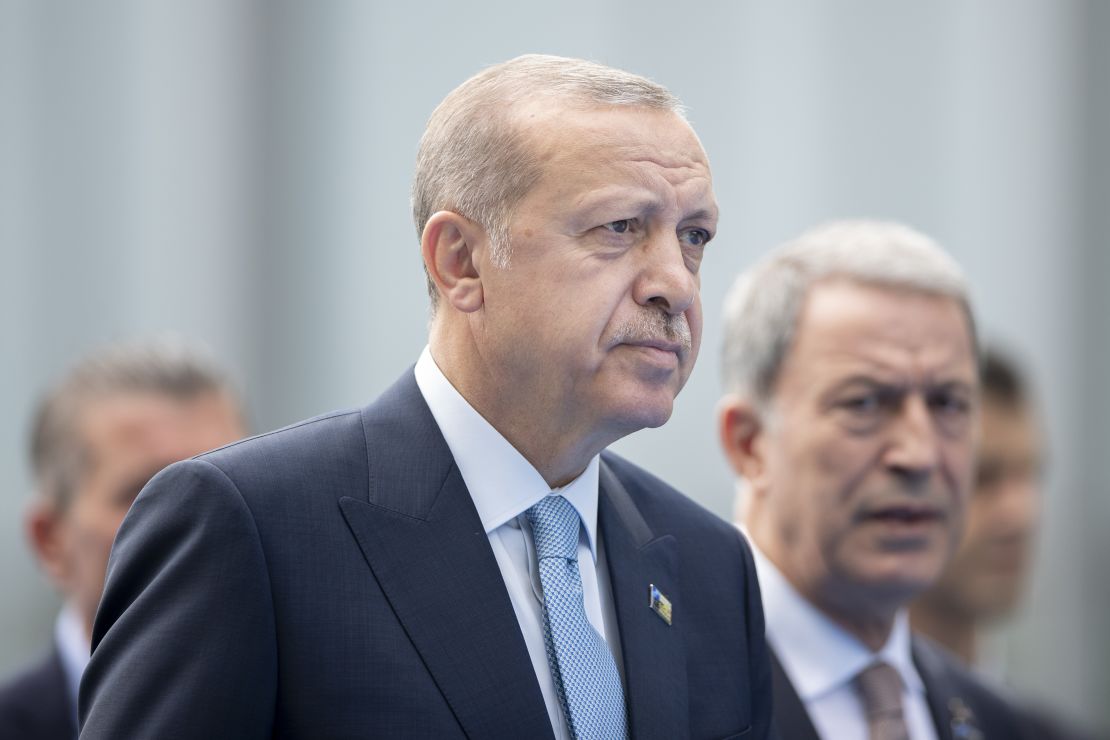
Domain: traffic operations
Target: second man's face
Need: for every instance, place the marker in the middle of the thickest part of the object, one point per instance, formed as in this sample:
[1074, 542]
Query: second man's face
[869, 445]
[597, 320]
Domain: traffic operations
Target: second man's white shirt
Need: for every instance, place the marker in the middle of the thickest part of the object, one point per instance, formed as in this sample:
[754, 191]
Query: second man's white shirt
[822, 660]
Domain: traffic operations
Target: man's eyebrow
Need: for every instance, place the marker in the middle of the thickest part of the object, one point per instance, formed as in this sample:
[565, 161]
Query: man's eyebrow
[633, 200]
[863, 379]
[702, 214]
[631, 197]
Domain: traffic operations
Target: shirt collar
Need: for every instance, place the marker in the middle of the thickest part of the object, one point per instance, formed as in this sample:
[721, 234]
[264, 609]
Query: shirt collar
[817, 654]
[502, 483]
[73, 647]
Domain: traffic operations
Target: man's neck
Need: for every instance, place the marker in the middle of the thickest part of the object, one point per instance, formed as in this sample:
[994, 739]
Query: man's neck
[957, 633]
[868, 619]
[558, 453]
[871, 627]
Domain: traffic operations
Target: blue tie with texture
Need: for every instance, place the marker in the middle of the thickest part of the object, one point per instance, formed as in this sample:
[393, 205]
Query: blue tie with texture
[585, 673]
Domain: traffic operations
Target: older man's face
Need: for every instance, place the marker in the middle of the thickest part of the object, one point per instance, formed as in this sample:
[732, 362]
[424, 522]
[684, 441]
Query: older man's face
[596, 322]
[869, 445]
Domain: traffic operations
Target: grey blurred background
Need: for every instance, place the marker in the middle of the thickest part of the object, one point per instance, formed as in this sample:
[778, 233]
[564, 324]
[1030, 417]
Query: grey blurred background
[237, 172]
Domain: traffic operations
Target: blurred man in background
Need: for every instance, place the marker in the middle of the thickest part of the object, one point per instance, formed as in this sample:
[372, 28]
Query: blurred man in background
[851, 364]
[986, 577]
[118, 418]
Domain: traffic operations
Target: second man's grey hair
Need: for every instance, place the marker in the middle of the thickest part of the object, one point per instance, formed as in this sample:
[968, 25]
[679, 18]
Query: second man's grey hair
[763, 307]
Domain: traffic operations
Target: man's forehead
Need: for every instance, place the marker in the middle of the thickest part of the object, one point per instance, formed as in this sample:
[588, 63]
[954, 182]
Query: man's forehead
[866, 326]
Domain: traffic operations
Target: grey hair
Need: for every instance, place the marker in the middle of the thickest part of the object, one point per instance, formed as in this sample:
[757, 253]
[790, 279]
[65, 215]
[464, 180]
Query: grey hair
[475, 160]
[763, 306]
[164, 367]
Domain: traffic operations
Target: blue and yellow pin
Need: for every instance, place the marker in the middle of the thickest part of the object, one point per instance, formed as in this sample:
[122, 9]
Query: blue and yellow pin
[659, 603]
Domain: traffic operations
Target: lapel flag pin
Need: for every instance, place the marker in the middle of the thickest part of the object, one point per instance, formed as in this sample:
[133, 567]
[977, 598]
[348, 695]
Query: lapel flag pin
[963, 721]
[659, 603]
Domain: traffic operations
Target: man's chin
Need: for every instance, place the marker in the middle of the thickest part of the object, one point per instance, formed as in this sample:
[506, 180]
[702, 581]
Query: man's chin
[645, 415]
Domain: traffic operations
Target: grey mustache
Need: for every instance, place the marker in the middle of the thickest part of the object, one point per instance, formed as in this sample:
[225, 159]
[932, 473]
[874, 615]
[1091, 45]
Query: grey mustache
[655, 326]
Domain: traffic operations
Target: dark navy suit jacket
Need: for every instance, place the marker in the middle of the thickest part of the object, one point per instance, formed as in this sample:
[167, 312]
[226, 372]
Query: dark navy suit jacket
[962, 707]
[333, 580]
[36, 703]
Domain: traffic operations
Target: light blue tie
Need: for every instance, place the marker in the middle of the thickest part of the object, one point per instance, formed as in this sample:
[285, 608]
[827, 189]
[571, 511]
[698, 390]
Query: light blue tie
[585, 673]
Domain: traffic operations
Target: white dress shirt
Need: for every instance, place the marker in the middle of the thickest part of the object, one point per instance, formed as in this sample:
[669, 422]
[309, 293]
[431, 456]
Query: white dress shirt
[504, 485]
[73, 647]
[821, 660]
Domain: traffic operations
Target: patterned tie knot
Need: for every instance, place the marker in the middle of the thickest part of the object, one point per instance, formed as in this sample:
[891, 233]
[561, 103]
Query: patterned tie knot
[880, 688]
[555, 525]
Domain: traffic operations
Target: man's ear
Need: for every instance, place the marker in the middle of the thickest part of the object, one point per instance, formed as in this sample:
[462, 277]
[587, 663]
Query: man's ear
[44, 525]
[741, 430]
[449, 245]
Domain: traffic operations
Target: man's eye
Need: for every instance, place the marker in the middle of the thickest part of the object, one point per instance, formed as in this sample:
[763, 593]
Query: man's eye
[950, 404]
[861, 404]
[623, 226]
[696, 237]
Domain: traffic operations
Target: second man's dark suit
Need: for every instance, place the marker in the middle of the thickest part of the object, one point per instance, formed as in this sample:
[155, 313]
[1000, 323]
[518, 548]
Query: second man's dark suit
[959, 704]
[36, 704]
[334, 580]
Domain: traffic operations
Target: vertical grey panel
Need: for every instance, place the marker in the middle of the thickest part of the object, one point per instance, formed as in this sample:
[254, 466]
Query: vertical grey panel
[239, 171]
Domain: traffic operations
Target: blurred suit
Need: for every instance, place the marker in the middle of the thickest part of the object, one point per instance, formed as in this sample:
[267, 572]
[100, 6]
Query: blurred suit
[37, 704]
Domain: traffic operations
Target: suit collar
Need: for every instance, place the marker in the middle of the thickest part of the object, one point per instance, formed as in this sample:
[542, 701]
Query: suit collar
[418, 509]
[948, 710]
[418, 525]
[501, 482]
[653, 652]
[791, 718]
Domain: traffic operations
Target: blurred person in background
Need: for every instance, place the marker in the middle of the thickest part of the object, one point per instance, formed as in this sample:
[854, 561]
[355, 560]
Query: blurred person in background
[986, 578]
[119, 417]
[850, 362]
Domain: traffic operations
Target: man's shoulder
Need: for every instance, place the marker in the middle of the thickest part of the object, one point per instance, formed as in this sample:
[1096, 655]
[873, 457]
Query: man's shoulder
[34, 702]
[337, 440]
[290, 444]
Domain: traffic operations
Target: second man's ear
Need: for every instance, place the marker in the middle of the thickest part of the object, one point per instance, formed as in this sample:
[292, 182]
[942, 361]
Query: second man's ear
[44, 527]
[740, 430]
[451, 245]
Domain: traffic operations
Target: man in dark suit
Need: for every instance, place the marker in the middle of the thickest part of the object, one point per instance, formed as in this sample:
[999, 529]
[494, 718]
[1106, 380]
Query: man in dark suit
[121, 415]
[850, 363]
[462, 558]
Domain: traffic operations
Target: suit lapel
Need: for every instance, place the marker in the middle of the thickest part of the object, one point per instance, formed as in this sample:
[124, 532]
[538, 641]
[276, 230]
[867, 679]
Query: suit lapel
[791, 717]
[424, 541]
[653, 653]
[943, 703]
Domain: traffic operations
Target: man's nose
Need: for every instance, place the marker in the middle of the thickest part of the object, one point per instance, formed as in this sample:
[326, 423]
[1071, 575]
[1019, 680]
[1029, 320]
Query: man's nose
[666, 280]
[914, 450]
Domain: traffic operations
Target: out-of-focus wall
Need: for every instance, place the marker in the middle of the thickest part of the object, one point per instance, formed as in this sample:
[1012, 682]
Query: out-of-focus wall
[238, 172]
